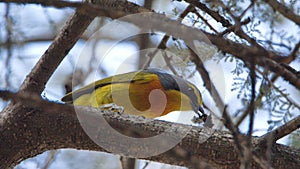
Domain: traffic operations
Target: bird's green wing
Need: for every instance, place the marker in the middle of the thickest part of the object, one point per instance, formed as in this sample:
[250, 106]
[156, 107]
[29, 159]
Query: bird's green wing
[139, 77]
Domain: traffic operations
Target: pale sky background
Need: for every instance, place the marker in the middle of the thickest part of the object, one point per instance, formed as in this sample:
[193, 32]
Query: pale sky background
[121, 55]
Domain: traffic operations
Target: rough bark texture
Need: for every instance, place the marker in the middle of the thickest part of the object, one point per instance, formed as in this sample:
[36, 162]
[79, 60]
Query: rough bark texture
[53, 126]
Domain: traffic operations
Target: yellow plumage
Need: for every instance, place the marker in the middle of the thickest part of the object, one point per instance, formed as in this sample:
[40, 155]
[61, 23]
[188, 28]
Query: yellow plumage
[150, 93]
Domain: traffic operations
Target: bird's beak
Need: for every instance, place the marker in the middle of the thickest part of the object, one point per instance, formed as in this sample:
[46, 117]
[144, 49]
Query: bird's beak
[201, 114]
[201, 110]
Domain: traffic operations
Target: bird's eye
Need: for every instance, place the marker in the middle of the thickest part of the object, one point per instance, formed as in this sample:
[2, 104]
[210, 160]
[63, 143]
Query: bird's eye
[190, 89]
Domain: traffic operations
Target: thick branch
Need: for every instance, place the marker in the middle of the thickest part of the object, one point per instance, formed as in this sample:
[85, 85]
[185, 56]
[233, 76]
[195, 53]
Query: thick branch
[263, 57]
[47, 125]
[115, 10]
[60, 47]
[246, 53]
[282, 131]
[35, 82]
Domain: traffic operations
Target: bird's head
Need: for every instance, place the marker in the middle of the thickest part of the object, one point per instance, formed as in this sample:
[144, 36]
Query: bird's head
[171, 82]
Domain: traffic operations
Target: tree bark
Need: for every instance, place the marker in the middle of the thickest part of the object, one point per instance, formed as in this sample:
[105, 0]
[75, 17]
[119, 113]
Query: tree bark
[49, 126]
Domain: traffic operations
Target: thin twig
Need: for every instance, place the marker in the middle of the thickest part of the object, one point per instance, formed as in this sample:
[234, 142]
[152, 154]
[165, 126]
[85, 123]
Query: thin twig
[212, 13]
[293, 54]
[163, 42]
[284, 11]
[8, 45]
[146, 164]
[206, 79]
[151, 55]
[251, 111]
[205, 21]
[250, 6]
[243, 52]
[50, 159]
[238, 27]
[234, 27]
[279, 91]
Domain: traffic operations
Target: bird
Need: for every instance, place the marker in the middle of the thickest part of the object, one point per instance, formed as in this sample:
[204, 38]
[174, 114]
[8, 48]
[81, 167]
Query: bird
[149, 92]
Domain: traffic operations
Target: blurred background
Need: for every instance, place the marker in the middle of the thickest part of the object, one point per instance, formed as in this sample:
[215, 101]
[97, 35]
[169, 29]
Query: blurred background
[110, 47]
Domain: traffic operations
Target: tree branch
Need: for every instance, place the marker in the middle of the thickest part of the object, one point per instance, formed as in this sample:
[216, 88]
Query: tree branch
[60, 47]
[45, 125]
[35, 82]
[282, 131]
[284, 11]
[239, 50]
[212, 13]
[119, 8]
[245, 53]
